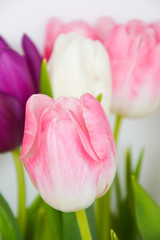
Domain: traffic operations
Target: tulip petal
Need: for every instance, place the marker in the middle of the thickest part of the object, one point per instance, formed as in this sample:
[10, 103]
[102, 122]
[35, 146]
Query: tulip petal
[33, 58]
[57, 187]
[65, 104]
[3, 44]
[34, 107]
[13, 70]
[70, 109]
[102, 140]
[103, 26]
[98, 127]
[156, 27]
[83, 134]
[11, 122]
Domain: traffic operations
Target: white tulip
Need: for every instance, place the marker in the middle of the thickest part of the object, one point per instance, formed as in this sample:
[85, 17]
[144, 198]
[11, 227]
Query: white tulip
[79, 65]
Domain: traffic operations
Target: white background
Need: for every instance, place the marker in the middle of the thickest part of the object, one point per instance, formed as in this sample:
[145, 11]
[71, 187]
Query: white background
[30, 16]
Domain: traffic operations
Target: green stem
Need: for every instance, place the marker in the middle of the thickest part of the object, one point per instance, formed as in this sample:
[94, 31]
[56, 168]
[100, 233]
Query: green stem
[83, 225]
[116, 136]
[21, 216]
[117, 128]
[38, 235]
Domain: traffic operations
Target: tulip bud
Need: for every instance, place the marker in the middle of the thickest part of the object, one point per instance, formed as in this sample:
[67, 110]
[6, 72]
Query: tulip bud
[55, 27]
[68, 150]
[134, 51]
[19, 79]
[78, 65]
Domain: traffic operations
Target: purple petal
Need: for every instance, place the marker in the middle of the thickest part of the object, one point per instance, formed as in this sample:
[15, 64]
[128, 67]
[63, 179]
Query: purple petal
[15, 78]
[3, 44]
[11, 122]
[34, 60]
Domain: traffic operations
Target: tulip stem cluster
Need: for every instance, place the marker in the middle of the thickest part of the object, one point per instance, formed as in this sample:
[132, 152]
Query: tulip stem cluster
[21, 190]
[83, 225]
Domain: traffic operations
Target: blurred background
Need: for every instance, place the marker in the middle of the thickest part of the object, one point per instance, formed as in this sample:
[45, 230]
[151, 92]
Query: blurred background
[30, 16]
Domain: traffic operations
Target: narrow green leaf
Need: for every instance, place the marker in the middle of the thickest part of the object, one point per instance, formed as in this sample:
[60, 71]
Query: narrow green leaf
[8, 225]
[147, 213]
[99, 97]
[70, 227]
[45, 87]
[139, 164]
[118, 190]
[32, 218]
[54, 221]
[124, 223]
[91, 221]
[113, 235]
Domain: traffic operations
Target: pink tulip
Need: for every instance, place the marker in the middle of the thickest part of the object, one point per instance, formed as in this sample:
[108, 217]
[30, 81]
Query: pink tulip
[68, 150]
[134, 51]
[55, 27]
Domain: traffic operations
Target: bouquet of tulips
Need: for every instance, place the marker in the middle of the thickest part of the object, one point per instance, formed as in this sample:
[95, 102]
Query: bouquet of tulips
[58, 105]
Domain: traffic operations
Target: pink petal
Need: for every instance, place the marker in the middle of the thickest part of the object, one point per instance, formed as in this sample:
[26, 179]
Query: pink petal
[103, 26]
[64, 105]
[34, 109]
[98, 126]
[156, 27]
[65, 175]
[83, 134]
[135, 27]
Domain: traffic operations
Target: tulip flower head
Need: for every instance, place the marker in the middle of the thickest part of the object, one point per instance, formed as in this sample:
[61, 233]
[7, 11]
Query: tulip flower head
[19, 79]
[134, 51]
[68, 150]
[78, 65]
[55, 27]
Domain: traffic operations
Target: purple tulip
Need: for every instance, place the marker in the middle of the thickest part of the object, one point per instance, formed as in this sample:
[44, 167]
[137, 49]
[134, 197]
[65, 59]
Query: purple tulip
[19, 79]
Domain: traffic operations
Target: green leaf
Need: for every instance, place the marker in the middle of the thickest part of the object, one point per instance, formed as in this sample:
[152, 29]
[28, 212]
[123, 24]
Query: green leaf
[42, 229]
[32, 218]
[99, 97]
[43, 222]
[54, 221]
[124, 223]
[113, 235]
[139, 164]
[91, 221]
[45, 87]
[147, 213]
[8, 225]
[70, 227]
